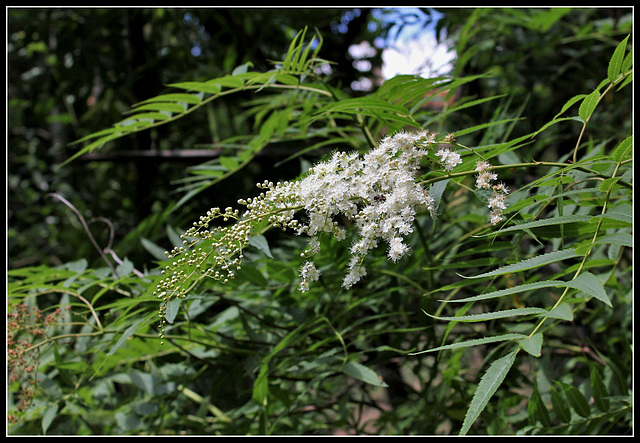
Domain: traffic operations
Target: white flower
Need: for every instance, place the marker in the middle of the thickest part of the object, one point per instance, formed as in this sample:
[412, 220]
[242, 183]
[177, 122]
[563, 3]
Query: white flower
[497, 201]
[496, 217]
[482, 166]
[308, 274]
[483, 180]
[397, 249]
[448, 158]
[355, 274]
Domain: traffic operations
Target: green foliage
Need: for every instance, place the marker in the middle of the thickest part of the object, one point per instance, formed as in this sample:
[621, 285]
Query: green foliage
[429, 345]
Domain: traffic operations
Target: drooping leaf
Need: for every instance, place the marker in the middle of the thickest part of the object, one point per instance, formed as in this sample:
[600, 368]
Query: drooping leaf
[620, 238]
[173, 306]
[49, 415]
[561, 312]
[158, 252]
[560, 406]
[362, 373]
[260, 242]
[125, 336]
[261, 386]
[474, 342]
[565, 219]
[598, 390]
[577, 401]
[176, 108]
[537, 409]
[489, 384]
[532, 345]
[517, 312]
[208, 88]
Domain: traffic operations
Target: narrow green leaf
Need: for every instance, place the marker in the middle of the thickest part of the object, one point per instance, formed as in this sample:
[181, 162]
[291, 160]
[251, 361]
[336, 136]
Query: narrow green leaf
[560, 406]
[474, 342]
[260, 242]
[573, 100]
[113, 134]
[606, 185]
[589, 105]
[489, 384]
[459, 107]
[229, 163]
[173, 307]
[49, 415]
[543, 222]
[585, 282]
[151, 117]
[261, 386]
[493, 315]
[622, 239]
[598, 390]
[158, 252]
[534, 262]
[577, 401]
[624, 150]
[93, 135]
[132, 124]
[532, 345]
[537, 409]
[485, 126]
[621, 212]
[162, 106]
[551, 123]
[591, 285]
[191, 99]
[127, 333]
[293, 50]
[615, 63]
[362, 373]
[356, 105]
[209, 88]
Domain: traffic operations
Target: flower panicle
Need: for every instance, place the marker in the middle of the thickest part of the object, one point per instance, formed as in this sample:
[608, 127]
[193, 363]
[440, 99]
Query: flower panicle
[377, 193]
[485, 180]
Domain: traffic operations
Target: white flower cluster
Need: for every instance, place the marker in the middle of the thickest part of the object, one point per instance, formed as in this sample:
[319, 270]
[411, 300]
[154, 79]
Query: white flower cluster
[377, 193]
[484, 180]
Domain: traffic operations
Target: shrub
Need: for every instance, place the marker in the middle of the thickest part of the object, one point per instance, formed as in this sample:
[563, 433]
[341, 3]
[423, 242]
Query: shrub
[409, 266]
